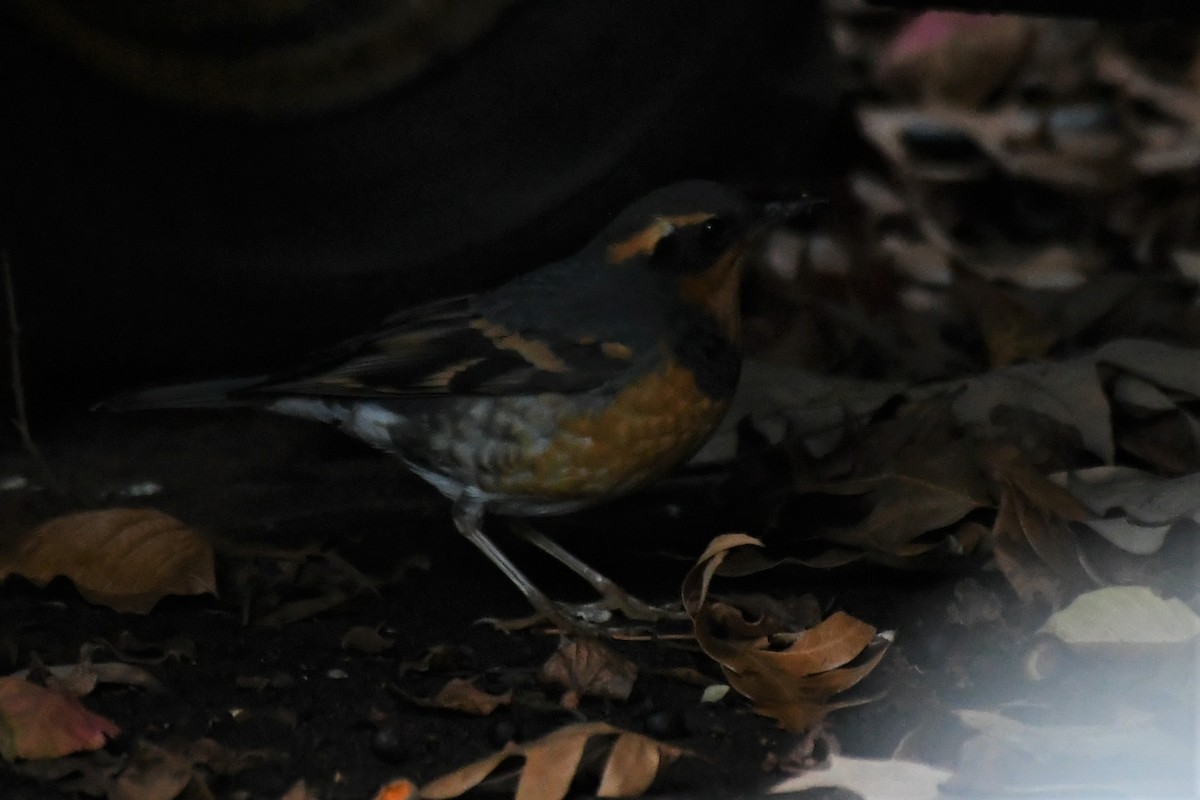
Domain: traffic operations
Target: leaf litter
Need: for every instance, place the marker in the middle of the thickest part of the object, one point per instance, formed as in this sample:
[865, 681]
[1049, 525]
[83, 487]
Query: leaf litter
[1061, 371]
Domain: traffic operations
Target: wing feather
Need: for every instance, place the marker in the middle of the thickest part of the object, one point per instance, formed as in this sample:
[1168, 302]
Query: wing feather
[450, 347]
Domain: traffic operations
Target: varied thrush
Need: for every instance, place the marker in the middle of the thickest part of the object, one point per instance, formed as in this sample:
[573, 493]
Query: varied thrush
[579, 381]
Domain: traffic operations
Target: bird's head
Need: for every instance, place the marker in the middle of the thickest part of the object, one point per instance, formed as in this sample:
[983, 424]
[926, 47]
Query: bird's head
[694, 234]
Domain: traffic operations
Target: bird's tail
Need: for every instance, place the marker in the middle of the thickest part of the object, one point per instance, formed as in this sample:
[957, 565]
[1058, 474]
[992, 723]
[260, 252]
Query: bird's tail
[222, 393]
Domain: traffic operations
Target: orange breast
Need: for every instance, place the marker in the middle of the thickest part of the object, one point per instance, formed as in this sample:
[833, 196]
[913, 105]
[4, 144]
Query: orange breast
[650, 427]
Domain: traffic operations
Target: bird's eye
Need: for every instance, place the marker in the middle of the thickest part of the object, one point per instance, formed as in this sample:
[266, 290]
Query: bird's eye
[713, 232]
[691, 248]
[666, 251]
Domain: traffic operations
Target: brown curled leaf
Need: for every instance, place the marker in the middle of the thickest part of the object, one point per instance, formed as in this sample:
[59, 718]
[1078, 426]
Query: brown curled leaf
[791, 676]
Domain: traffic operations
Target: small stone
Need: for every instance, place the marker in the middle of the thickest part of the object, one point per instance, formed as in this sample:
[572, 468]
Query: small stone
[664, 724]
[388, 745]
[282, 680]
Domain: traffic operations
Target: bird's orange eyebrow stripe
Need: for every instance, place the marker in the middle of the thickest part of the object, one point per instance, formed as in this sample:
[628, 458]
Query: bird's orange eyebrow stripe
[644, 241]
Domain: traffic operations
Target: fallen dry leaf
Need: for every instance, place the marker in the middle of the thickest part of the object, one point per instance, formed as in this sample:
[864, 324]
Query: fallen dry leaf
[919, 261]
[154, 773]
[1166, 365]
[784, 401]
[438, 657]
[951, 56]
[1067, 392]
[131, 649]
[365, 639]
[38, 723]
[1117, 617]
[1133, 509]
[300, 791]
[83, 774]
[124, 558]
[551, 763]
[177, 769]
[791, 676]
[1007, 756]
[1035, 548]
[588, 668]
[1009, 136]
[1055, 267]
[400, 789]
[689, 675]
[1011, 330]
[1153, 402]
[911, 475]
[463, 695]
[279, 586]
[1167, 442]
[79, 679]
[870, 778]
[1172, 100]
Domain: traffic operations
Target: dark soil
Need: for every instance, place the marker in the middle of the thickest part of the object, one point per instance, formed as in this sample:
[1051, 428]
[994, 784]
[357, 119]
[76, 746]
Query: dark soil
[305, 707]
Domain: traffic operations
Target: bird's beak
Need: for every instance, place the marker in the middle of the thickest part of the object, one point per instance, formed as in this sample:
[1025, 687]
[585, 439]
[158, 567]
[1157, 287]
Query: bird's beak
[782, 212]
[768, 216]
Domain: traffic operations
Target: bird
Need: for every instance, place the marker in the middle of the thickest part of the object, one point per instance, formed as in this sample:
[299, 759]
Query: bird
[579, 381]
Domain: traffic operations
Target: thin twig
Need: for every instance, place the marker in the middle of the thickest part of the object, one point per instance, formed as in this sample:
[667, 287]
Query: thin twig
[21, 421]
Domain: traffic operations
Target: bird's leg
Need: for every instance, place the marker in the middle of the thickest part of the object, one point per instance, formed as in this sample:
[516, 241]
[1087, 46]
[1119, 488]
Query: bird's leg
[614, 598]
[468, 518]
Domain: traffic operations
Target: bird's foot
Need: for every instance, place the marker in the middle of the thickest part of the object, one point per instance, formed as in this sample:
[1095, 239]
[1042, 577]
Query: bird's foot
[617, 615]
[615, 599]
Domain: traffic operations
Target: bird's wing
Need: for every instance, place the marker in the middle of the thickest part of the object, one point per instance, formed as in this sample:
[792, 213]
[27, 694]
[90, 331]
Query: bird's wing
[450, 347]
